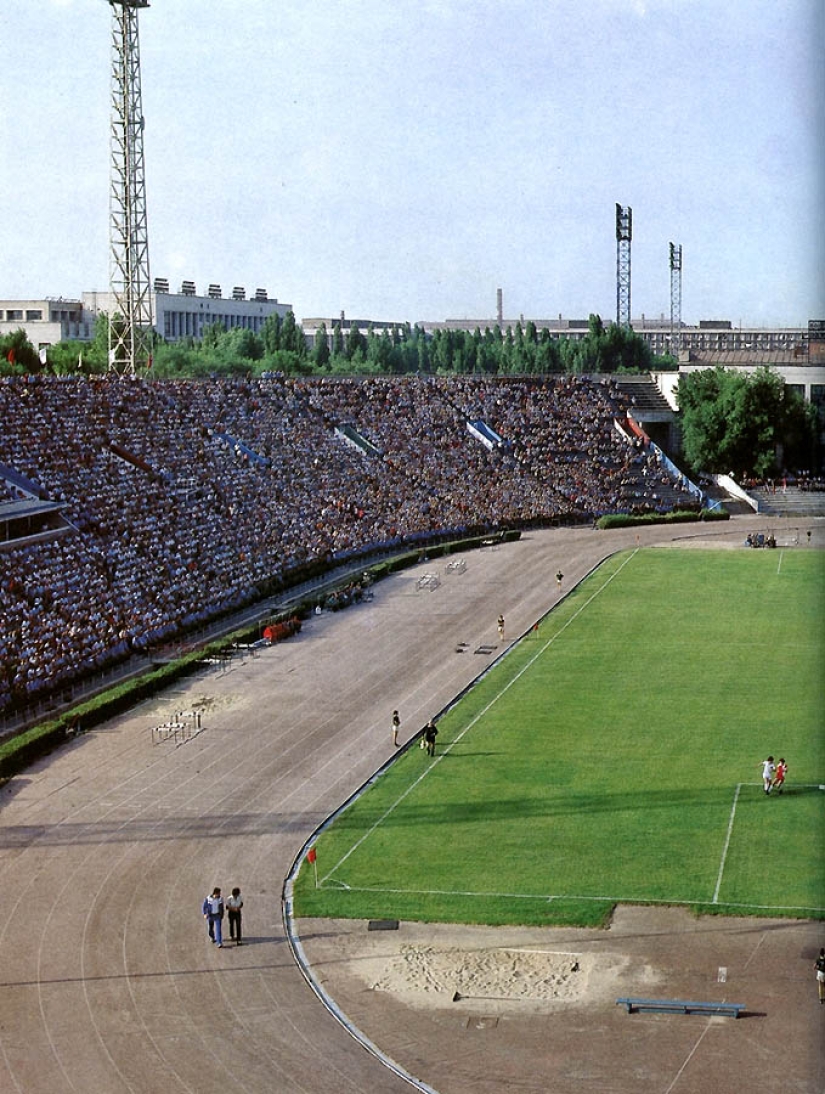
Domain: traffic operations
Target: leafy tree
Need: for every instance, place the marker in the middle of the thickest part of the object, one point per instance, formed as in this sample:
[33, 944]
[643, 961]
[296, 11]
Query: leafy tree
[355, 347]
[748, 424]
[271, 333]
[379, 352]
[212, 335]
[292, 336]
[507, 352]
[337, 341]
[175, 359]
[607, 349]
[18, 354]
[800, 437]
[96, 356]
[423, 352]
[68, 358]
[321, 353]
[287, 362]
[548, 354]
[441, 351]
[239, 342]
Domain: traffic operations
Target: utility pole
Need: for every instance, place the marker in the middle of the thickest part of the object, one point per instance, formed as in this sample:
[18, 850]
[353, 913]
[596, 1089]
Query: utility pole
[130, 319]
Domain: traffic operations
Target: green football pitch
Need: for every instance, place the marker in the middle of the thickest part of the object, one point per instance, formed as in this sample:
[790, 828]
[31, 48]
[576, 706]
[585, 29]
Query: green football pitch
[613, 755]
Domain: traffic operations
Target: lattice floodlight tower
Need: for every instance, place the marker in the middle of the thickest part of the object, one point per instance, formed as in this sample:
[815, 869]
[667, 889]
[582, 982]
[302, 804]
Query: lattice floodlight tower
[675, 298]
[130, 319]
[624, 234]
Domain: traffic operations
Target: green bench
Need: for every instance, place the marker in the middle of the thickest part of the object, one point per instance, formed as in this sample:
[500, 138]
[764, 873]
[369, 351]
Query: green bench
[681, 1006]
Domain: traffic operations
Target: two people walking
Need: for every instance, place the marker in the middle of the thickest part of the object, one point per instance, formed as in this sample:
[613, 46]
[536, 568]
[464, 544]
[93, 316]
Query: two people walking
[213, 909]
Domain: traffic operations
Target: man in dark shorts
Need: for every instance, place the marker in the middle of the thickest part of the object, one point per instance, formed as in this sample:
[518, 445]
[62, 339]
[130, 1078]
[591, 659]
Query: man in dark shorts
[430, 734]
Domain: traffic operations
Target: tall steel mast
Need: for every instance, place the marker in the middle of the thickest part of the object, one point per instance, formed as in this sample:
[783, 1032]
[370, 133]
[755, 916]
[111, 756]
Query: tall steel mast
[624, 234]
[130, 319]
[675, 298]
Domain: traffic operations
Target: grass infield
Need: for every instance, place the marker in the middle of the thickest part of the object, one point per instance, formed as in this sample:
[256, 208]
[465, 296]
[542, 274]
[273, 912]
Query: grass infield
[613, 755]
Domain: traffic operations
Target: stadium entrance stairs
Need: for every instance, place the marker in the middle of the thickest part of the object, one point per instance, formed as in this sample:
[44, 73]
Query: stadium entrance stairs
[792, 502]
[643, 393]
[649, 408]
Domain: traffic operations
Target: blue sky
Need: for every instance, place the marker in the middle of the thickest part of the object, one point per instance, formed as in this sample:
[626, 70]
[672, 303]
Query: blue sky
[404, 160]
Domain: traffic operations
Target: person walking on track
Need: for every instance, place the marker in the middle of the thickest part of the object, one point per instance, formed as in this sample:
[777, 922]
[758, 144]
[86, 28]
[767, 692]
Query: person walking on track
[234, 904]
[430, 734]
[212, 909]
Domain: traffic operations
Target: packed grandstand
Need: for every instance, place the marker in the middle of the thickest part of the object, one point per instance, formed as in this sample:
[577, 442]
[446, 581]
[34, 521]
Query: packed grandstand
[182, 501]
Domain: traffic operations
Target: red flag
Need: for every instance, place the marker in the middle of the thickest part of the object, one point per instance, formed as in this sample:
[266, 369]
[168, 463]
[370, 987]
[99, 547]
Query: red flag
[311, 856]
[10, 356]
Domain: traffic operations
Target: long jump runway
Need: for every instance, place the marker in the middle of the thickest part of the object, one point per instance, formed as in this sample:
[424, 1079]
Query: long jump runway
[108, 981]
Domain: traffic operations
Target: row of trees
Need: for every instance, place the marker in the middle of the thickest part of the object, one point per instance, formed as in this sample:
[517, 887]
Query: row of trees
[281, 346]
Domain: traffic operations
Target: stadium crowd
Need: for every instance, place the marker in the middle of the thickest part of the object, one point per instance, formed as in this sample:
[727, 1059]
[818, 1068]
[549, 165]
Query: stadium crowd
[188, 499]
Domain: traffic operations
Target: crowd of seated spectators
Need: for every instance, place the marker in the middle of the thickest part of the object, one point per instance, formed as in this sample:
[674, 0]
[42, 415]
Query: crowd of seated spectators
[189, 499]
[800, 480]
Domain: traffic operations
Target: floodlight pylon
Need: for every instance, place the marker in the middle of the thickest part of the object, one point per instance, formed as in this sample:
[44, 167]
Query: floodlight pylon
[624, 234]
[675, 299]
[130, 318]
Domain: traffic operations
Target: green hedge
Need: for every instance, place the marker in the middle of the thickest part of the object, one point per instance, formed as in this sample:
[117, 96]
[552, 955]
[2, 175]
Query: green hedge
[678, 516]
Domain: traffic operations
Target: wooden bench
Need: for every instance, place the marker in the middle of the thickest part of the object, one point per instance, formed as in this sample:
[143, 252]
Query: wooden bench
[681, 1006]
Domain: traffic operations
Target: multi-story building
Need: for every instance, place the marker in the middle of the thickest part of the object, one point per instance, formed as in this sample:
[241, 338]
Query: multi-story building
[52, 319]
[177, 315]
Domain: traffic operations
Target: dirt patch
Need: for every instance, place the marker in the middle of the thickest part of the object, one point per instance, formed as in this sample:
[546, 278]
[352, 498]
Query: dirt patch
[501, 978]
[524, 1019]
[185, 700]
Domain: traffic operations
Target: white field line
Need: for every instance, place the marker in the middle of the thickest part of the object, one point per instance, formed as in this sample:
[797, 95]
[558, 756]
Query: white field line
[727, 843]
[800, 786]
[688, 1058]
[779, 563]
[529, 664]
[572, 896]
[548, 897]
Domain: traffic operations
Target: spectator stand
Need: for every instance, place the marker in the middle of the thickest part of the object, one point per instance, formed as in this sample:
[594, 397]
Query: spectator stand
[188, 503]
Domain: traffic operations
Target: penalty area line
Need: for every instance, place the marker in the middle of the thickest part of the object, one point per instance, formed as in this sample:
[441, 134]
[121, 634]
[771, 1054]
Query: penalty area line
[731, 819]
[592, 898]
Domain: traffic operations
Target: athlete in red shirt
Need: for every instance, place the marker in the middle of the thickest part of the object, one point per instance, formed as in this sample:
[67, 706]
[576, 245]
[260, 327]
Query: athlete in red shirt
[779, 777]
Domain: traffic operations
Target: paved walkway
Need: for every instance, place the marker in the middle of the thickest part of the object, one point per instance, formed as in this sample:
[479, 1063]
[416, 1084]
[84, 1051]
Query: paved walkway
[107, 979]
